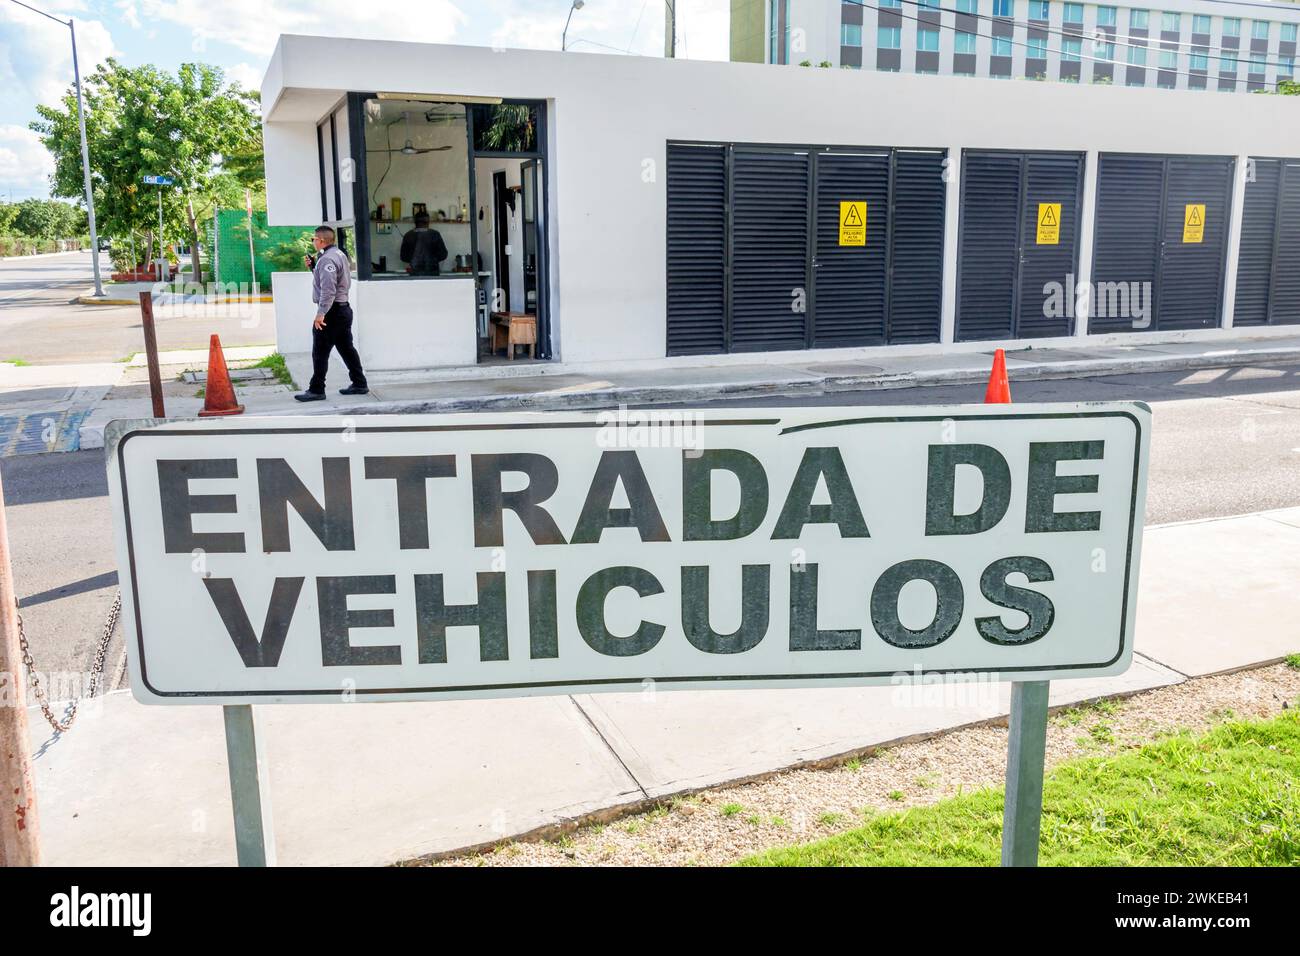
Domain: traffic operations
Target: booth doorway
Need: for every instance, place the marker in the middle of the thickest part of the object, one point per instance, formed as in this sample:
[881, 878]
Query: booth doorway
[509, 185]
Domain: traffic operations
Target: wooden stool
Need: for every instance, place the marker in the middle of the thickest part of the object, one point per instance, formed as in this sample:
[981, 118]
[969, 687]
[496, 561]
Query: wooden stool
[519, 328]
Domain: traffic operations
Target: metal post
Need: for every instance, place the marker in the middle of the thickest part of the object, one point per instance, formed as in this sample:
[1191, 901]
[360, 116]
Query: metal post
[250, 786]
[151, 354]
[85, 165]
[19, 828]
[162, 249]
[252, 256]
[670, 28]
[1026, 751]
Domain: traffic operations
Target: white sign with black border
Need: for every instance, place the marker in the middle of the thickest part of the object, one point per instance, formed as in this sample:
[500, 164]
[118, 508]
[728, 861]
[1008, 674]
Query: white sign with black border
[388, 558]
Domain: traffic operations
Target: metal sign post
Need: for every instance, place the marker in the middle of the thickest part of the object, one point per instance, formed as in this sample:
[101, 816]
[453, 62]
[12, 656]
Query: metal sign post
[160, 182]
[250, 786]
[1022, 812]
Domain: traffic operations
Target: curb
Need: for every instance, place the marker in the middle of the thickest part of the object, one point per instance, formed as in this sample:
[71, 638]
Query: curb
[221, 300]
[794, 387]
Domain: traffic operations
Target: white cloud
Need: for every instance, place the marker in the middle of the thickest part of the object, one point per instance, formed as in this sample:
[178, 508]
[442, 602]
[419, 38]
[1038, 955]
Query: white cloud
[25, 164]
[605, 26]
[254, 25]
[246, 75]
[36, 55]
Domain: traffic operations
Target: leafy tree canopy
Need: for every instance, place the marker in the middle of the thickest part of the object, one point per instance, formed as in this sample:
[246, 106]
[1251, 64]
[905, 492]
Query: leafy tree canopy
[192, 126]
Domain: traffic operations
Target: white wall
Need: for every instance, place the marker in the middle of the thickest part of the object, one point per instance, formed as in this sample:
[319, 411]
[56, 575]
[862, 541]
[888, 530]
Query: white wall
[292, 164]
[611, 117]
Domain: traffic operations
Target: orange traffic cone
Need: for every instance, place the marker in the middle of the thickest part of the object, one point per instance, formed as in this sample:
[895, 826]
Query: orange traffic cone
[219, 395]
[999, 390]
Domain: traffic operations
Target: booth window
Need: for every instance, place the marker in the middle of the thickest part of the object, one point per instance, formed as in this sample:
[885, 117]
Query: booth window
[417, 188]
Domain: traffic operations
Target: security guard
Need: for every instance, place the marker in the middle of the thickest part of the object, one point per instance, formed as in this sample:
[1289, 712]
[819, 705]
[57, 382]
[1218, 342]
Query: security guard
[331, 280]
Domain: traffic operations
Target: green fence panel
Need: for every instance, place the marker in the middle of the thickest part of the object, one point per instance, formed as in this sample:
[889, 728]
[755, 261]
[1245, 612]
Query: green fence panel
[228, 247]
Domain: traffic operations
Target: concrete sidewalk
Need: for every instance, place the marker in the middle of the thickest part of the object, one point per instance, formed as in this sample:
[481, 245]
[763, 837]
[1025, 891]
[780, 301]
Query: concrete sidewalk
[376, 783]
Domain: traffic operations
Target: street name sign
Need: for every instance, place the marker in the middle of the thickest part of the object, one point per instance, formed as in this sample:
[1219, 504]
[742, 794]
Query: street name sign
[158, 180]
[386, 558]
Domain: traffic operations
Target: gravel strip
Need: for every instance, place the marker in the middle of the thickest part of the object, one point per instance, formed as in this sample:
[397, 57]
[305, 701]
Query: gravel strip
[719, 826]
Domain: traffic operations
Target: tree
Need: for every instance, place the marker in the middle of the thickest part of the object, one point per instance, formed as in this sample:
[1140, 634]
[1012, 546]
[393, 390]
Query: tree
[143, 121]
[48, 219]
[1288, 87]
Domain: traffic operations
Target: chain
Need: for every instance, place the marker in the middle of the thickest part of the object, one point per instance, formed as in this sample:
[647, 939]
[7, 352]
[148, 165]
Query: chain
[96, 669]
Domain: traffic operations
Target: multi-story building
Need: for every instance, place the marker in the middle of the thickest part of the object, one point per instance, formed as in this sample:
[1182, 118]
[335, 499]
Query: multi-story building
[1226, 45]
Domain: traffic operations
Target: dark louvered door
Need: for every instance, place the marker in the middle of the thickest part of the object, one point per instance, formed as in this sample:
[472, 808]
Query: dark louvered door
[770, 261]
[1258, 235]
[850, 281]
[1049, 244]
[916, 284]
[1190, 295]
[1126, 254]
[988, 245]
[1286, 269]
[697, 238]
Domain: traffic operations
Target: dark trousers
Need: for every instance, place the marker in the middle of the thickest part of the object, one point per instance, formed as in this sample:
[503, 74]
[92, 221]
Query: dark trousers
[337, 334]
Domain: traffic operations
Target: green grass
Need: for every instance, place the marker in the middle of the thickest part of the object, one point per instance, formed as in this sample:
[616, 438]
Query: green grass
[1228, 797]
[18, 362]
[275, 362]
[1293, 661]
[731, 809]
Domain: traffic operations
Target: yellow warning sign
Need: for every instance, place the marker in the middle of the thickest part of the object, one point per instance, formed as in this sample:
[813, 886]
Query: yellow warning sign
[853, 223]
[1194, 223]
[1049, 223]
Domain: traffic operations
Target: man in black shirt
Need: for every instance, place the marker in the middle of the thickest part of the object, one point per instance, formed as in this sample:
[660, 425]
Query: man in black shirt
[423, 248]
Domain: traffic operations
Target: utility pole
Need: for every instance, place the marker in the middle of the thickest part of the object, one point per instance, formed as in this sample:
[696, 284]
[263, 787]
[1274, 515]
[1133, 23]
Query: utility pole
[19, 830]
[670, 28]
[85, 152]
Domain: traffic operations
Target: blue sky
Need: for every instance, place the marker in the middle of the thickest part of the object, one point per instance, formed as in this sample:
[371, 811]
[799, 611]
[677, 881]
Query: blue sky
[239, 35]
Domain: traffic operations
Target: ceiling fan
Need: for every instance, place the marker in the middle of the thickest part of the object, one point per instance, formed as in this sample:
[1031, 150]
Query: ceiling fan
[409, 148]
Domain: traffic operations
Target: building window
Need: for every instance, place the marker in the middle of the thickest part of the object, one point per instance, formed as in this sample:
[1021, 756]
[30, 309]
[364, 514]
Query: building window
[964, 71]
[1039, 9]
[1138, 19]
[1288, 32]
[1168, 59]
[1228, 61]
[1001, 46]
[1137, 56]
[1073, 13]
[1036, 48]
[1201, 23]
[889, 38]
[1200, 59]
[964, 43]
[1167, 84]
[1286, 66]
[1104, 51]
[891, 3]
[1071, 49]
[927, 40]
[1258, 63]
[850, 34]
[932, 4]
[1259, 29]
[1231, 27]
[1106, 16]
[1171, 22]
[1004, 8]
[1141, 82]
[968, 6]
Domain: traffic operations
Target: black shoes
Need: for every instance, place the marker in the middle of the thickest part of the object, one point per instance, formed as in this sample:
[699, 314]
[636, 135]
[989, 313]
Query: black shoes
[310, 397]
[355, 390]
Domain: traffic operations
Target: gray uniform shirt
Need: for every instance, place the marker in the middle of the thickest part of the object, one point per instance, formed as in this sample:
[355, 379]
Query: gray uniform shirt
[331, 279]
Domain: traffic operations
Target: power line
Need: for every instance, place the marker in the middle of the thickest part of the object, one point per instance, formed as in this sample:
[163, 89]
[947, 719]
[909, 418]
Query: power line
[1068, 58]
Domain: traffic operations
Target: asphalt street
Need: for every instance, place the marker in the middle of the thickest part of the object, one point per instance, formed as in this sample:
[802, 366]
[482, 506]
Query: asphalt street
[41, 324]
[1224, 442]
